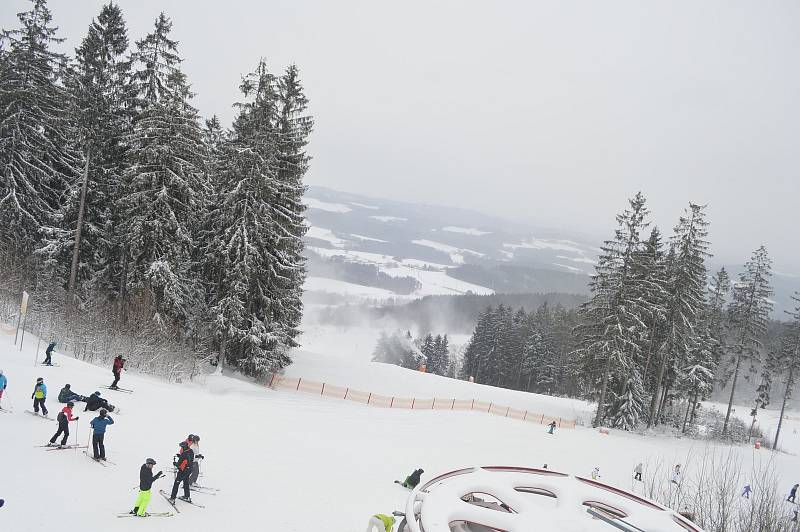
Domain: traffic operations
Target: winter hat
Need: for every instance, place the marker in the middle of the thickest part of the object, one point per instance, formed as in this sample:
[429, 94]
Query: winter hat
[40, 379]
[195, 438]
[70, 404]
[66, 386]
[103, 412]
[97, 394]
[150, 461]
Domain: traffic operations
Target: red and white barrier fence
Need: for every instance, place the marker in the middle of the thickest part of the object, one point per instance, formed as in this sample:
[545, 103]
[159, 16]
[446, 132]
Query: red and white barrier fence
[278, 382]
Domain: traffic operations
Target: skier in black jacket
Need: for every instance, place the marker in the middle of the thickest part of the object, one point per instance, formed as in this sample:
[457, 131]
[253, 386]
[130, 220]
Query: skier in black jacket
[146, 479]
[412, 480]
[94, 402]
[183, 464]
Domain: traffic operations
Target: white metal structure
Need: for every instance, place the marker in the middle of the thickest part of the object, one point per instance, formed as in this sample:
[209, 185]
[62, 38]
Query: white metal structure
[517, 499]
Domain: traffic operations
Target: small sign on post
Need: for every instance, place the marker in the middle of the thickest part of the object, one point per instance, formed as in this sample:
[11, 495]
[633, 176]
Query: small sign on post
[23, 308]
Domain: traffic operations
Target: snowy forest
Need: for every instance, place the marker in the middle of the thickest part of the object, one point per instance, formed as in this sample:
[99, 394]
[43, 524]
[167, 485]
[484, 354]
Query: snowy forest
[122, 209]
[658, 330]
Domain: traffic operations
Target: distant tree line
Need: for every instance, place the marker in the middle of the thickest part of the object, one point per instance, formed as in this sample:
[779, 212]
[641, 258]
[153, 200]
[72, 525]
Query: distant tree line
[657, 330]
[119, 200]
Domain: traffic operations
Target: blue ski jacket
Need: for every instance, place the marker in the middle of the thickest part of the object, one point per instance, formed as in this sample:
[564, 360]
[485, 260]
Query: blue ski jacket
[3, 382]
[99, 424]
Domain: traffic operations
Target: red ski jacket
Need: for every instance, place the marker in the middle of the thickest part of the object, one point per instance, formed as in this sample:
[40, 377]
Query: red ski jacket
[118, 363]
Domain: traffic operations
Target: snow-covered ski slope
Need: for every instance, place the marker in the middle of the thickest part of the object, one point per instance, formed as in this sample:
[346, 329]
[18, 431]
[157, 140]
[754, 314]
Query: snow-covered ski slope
[284, 461]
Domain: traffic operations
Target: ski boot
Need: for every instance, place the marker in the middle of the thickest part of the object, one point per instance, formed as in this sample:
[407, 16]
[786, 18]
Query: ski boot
[185, 498]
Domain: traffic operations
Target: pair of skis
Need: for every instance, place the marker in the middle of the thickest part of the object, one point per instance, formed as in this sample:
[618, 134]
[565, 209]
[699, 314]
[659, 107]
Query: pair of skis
[104, 463]
[54, 447]
[172, 503]
[118, 389]
[154, 514]
[43, 416]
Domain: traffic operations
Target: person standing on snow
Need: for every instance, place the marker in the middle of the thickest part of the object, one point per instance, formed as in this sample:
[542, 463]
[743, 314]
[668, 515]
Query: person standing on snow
[793, 493]
[595, 473]
[99, 425]
[637, 472]
[48, 361]
[552, 427]
[39, 395]
[195, 469]
[64, 417]
[3, 385]
[747, 491]
[146, 479]
[116, 369]
[185, 458]
[676, 474]
[380, 523]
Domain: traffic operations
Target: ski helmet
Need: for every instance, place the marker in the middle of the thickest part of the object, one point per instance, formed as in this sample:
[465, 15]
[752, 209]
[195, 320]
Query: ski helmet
[70, 404]
[66, 386]
[103, 411]
[40, 379]
[150, 461]
[195, 438]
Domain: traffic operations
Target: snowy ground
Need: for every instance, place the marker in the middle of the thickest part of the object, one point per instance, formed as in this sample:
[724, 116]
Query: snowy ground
[284, 461]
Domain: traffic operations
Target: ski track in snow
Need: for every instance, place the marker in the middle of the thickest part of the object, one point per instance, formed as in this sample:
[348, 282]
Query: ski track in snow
[285, 460]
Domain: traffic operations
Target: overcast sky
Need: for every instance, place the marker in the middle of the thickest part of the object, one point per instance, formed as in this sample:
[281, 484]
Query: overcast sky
[540, 111]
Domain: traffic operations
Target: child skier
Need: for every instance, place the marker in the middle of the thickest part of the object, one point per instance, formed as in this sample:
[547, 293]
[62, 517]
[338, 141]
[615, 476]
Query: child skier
[48, 361]
[595, 473]
[380, 523]
[39, 395]
[66, 395]
[793, 493]
[3, 384]
[64, 417]
[146, 479]
[637, 472]
[411, 480]
[99, 425]
[552, 427]
[116, 369]
[183, 464]
[747, 491]
[193, 476]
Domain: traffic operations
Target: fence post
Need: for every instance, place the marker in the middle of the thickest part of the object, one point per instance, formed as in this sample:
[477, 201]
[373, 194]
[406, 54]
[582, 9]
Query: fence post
[298, 384]
[391, 404]
[453, 406]
[507, 410]
[525, 416]
[323, 389]
[413, 399]
[369, 398]
[473, 405]
[490, 408]
[345, 393]
[559, 422]
[434, 403]
[272, 378]
[542, 421]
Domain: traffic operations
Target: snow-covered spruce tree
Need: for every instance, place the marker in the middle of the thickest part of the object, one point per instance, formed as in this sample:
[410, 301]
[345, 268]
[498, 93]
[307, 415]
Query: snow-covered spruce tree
[685, 303]
[163, 185]
[719, 288]
[748, 315]
[613, 319]
[38, 156]
[81, 247]
[257, 313]
[787, 359]
[650, 278]
[695, 379]
[428, 350]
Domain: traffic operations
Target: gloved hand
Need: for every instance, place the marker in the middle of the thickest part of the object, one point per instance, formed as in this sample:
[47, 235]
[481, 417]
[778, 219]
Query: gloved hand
[77, 418]
[199, 456]
[158, 475]
[31, 396]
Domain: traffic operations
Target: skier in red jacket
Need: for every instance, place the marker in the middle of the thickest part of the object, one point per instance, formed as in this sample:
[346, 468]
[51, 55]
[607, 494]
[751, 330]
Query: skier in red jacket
[119, 364]
[64, 417]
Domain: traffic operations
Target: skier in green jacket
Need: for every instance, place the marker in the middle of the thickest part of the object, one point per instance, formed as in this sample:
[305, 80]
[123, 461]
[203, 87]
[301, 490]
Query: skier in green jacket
[380, 523]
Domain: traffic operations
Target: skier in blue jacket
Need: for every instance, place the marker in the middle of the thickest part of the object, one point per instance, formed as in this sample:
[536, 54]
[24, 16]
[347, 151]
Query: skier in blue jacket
[99, 425]
[3, 385]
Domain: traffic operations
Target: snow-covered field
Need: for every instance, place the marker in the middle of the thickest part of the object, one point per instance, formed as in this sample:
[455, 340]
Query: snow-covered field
[284, 461]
